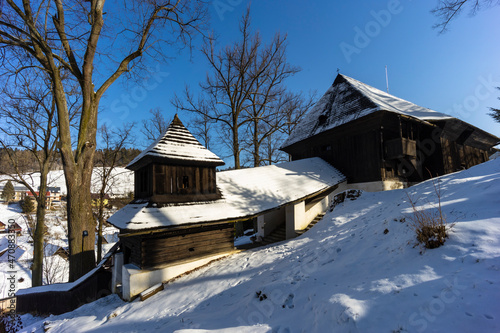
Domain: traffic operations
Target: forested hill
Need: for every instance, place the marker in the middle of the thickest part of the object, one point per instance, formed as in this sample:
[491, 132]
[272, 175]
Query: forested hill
[27, 161]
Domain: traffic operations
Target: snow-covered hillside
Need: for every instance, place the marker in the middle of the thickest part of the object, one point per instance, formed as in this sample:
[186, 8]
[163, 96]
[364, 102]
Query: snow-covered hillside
[347, 274]
[122, 181]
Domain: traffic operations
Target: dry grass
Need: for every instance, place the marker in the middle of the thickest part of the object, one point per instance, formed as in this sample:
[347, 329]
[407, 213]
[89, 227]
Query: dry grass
[429, 223]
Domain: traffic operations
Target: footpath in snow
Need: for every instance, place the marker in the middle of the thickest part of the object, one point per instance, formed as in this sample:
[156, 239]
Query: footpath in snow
[357, 270]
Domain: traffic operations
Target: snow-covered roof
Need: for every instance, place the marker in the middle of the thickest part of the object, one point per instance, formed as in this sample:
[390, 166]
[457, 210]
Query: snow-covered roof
[177, 145]
[349, 99]
[245, 192]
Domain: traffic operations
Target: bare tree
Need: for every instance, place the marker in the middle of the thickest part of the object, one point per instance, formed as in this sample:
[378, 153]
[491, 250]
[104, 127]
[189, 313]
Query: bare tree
[106, 162]
[30, 114]
[83, 38]
[290, 109]
[447, 10]
[244, 78]
[201, 127]
[154, 126]
[268, 94]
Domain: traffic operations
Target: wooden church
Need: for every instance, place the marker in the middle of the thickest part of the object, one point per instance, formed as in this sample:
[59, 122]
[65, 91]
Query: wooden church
[183, 212]
[380, 142]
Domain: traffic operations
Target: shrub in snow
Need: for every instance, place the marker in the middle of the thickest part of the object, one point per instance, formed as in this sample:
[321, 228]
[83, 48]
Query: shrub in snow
[10, 323]
[428, 221]
[341, 197]
[28, 205]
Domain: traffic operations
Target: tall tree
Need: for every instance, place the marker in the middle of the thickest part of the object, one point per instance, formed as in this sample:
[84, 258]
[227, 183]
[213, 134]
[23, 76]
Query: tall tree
[267, 95]
[447, 10]
[113, 142]
[29, 110]
[8, 192]
[83, 38]
[244, 78]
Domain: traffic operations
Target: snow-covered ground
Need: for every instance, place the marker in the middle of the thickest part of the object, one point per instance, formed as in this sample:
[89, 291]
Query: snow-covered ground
[56, 268]
[122, 181]
[357, 270]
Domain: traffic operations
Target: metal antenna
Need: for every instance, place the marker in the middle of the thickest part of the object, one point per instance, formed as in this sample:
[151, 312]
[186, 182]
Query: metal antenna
[386, 79]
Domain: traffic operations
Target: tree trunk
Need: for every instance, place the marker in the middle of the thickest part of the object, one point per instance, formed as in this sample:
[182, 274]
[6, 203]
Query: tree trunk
[37, 269]
[236, 148]
[78, 174]
[100, 219]
[81, 226]
[256, 145]
[38, 236]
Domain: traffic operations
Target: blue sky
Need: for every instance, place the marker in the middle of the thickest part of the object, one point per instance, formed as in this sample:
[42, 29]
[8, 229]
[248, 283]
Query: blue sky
[454, 72]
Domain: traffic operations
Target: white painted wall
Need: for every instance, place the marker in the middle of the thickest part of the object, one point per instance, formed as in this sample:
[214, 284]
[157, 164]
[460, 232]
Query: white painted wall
[295, 218]
[266, 223]
[377, 186]
[116, 277]
[318, 208]
[136, 280]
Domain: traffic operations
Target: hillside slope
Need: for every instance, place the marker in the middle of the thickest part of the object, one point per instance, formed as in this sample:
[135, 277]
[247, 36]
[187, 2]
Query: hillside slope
[344, 275]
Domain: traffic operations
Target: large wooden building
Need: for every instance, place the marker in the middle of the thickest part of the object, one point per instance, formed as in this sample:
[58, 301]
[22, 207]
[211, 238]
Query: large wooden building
[184, 212]
[382, 142]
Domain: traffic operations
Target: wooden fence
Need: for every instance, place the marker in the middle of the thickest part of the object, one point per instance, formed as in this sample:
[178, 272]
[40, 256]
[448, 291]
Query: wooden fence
[86, 290]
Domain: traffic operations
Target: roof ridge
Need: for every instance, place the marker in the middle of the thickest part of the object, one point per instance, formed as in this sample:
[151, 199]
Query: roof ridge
[177, 144]
[348, 99]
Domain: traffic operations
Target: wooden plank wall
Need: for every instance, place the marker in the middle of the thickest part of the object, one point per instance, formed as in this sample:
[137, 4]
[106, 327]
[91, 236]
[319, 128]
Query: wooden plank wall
[56, 302]
[168, 250]
[353, 148]
[458, 157]
[170, 179]
[163, 248]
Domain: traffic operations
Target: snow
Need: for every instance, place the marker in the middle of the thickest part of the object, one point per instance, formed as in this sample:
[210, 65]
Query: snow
[23, 252]
[245, 192]
[56, 268]
[349, 99]
[178, 144]
[343, 275]
[122, 181]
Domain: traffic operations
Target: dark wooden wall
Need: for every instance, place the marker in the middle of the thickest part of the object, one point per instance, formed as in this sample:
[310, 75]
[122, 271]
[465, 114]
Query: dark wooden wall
[143, 182]
[183, 179]
[458, 157]
[354, 148]
[388, 146]
[169, 247]
[56, 302]
[176, 183]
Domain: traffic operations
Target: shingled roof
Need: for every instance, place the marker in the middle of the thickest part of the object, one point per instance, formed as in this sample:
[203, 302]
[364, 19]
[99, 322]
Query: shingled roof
[177, 146]
[246, 193]
[349, 99]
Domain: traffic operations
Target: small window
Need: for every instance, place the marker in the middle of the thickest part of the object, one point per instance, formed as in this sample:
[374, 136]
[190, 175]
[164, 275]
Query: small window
[185, 182]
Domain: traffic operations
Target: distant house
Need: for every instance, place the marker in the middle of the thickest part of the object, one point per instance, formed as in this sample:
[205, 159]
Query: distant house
[19, 191]
[52, 250]
[382, 142]
[53, 196]
[4, 228]
[15, 228]
[184, 211]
